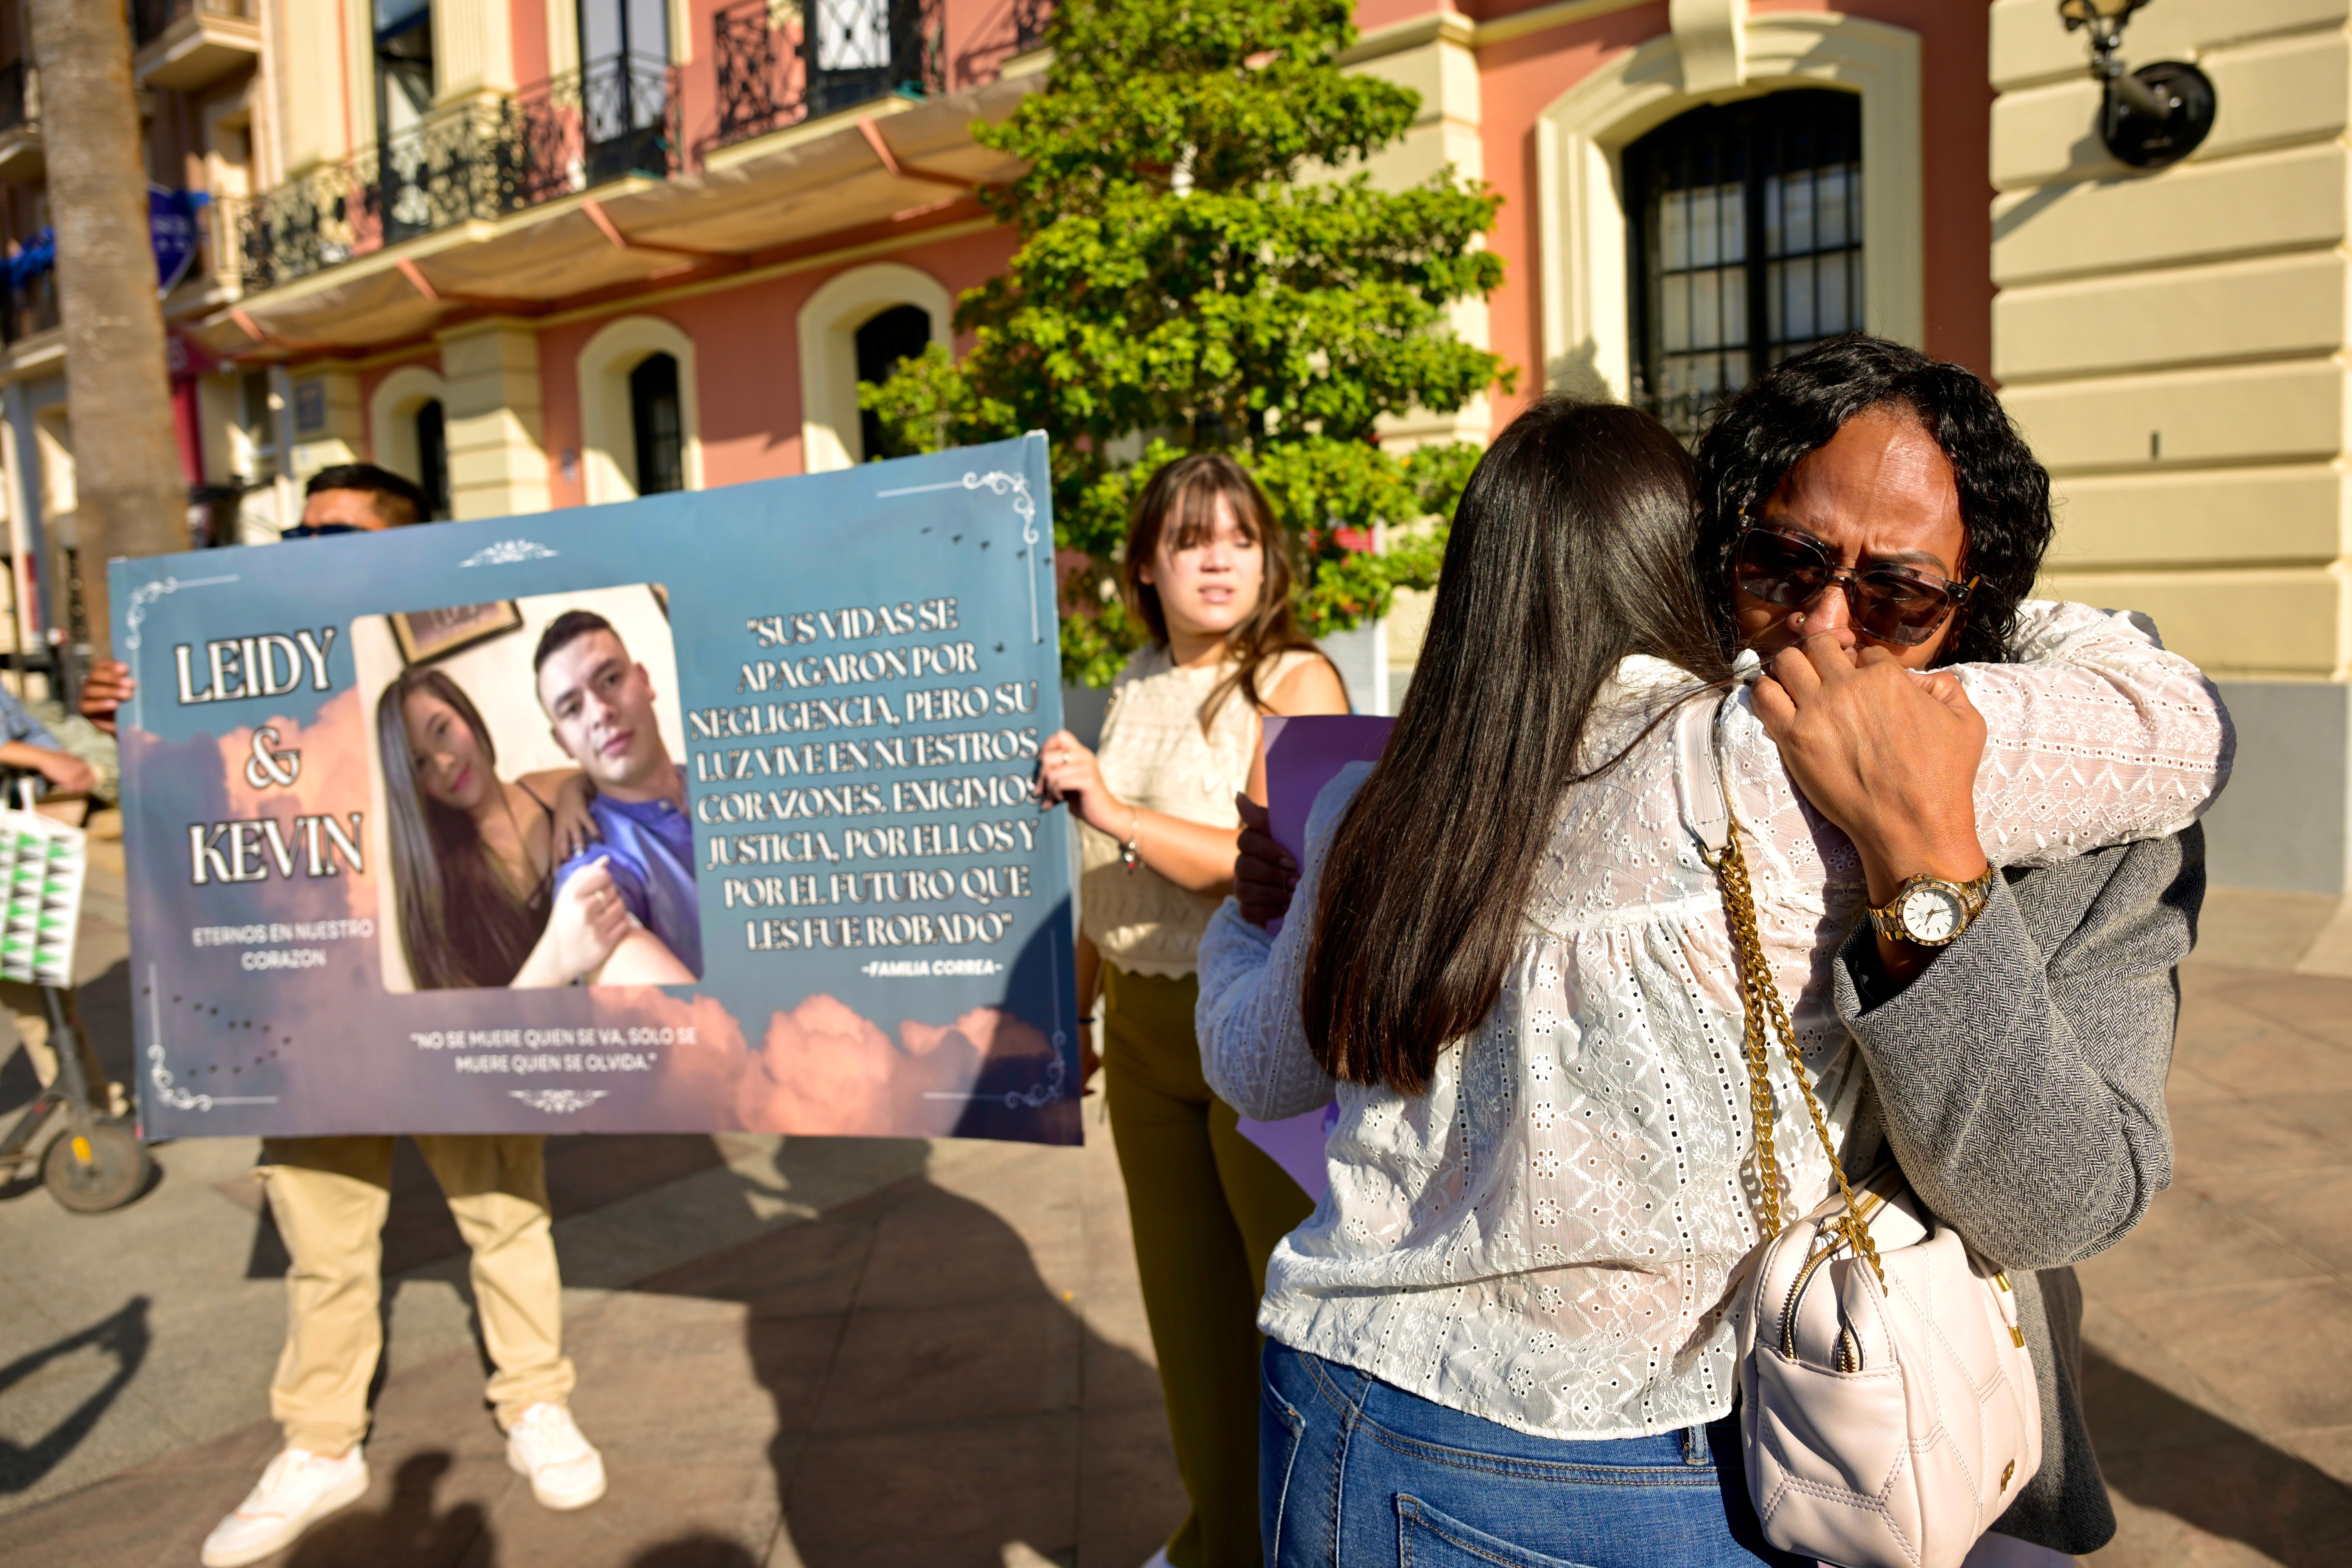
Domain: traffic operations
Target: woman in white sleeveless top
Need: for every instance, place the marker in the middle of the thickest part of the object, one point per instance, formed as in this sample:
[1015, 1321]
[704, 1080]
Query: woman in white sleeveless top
[1206, 571]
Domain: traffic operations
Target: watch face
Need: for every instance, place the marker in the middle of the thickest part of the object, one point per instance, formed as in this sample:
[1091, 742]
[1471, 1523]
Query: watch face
[1930, 914]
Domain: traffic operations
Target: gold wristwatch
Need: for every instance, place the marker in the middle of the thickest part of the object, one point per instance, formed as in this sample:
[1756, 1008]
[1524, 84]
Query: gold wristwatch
[1928, 911]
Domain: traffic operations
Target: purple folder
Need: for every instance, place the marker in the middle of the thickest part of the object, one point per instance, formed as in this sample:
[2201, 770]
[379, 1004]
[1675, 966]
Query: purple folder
[1302, 755]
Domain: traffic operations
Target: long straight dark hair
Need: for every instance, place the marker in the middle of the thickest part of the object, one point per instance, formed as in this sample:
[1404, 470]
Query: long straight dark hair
[461, 924]
[1570, 549]
[1180, 500]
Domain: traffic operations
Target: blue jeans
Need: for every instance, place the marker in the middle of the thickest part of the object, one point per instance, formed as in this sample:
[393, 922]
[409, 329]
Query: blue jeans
[1353, 1471]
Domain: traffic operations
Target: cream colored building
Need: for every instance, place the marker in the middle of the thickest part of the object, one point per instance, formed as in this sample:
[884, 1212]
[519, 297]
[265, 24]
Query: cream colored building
[2175, 344]
[684, 291]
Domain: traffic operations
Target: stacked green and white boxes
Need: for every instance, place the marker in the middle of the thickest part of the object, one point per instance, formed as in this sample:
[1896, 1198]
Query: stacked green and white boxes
[42, 864]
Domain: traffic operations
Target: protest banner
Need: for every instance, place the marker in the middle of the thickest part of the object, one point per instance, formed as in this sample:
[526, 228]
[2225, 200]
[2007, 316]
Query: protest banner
[808, 712]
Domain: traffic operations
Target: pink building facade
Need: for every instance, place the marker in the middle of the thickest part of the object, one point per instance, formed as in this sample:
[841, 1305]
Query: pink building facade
[552, 253]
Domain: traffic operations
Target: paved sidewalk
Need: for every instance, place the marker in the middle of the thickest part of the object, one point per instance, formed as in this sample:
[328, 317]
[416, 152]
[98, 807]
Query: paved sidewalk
[2218, 1336]
[844, 1352]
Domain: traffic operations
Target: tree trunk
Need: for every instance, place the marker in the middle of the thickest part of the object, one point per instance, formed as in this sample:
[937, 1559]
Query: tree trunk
[130, 497]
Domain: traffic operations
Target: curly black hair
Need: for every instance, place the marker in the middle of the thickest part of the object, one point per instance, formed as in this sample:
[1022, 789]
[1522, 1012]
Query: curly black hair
[1794, 408]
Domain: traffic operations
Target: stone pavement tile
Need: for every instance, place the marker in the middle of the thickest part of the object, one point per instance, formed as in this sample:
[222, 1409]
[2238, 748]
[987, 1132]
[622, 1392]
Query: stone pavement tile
[2310, 1209]
[971, 1361]
[650, 1505]
[807, 1269]
[928, 1251]
[647, 1233]
[2276, 1350]
[2327, 1451]
[2139, 1393]
[2323, 1112]
[2237, 1135]
[1120, 1372]
[1038, 1190]
[442, 1406]
[588, 1172]
[52, 1401]
[641, 1352]
[2130, 1412]
[155, 1292]
[938, 1495]
[2185, 1239]
[2224, 1504]
[156, 1514]
[2251, 1055]
[1130, 1498]
[822, 1174]
[2316, 1005]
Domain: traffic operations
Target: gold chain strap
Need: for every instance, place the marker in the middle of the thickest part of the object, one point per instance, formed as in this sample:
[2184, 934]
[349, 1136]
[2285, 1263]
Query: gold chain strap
[1760, 999]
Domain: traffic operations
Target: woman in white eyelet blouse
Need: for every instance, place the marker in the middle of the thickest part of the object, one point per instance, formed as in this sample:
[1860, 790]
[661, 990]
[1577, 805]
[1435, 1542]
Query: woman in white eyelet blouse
[1544, 1238]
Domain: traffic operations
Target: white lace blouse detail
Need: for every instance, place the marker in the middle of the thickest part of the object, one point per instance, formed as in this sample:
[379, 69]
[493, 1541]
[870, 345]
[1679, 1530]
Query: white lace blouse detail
[1547, 1238]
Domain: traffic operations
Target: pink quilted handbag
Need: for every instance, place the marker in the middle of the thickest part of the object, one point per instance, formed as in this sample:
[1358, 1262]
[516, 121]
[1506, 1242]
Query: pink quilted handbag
[1887, 1408]
[1885, 1425]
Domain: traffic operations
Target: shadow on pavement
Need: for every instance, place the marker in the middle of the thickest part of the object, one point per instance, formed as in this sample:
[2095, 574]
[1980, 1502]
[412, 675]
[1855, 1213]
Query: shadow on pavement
[2164, 1453]
[403, 1531]
[125, 1337]
[932, 1398]
[918, 1392]
[697, 1552]
[105, 1006]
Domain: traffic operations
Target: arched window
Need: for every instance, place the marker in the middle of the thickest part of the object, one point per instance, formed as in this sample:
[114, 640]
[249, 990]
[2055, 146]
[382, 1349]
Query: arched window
[1746, 244]
[850, 328]
[640, 421]
[433, 455]
[899, 332]
[657, 425]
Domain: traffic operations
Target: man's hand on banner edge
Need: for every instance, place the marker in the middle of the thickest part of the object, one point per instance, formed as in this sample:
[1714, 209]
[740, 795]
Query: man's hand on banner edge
[105, 685]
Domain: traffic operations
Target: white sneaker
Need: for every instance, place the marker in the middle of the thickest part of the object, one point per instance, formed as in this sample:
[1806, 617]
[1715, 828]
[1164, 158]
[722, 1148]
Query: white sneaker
[296, 1491]
[565, 1470]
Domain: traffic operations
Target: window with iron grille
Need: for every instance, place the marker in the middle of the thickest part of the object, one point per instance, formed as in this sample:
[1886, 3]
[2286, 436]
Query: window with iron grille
[1746, 244]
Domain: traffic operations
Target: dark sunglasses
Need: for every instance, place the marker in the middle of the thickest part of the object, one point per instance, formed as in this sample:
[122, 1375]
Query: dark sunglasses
[1892, 603]
[320, 529]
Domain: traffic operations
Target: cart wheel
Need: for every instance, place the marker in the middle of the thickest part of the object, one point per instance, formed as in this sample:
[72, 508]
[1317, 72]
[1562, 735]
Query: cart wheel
[114, 1173]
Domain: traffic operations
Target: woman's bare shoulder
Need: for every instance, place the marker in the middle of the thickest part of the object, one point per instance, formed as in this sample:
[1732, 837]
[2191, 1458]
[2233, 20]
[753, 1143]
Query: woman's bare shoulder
[1310, 686]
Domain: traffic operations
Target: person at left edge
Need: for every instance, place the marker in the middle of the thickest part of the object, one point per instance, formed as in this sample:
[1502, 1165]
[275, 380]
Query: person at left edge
[330, 1197]
[27, 750]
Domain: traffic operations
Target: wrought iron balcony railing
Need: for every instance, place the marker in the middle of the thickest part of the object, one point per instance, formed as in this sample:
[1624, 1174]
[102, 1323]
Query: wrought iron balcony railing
[612, 118]
[776, 69]
[151, 19]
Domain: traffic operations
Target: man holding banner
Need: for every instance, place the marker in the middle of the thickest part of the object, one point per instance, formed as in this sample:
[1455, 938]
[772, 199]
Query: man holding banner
[330, 1197]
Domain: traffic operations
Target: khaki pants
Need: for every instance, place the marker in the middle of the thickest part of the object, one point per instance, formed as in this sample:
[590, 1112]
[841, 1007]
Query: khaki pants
[1207, 1207]
[329, 1196]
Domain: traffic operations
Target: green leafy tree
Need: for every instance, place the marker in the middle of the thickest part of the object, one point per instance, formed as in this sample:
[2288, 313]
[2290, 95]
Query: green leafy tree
[1192, 277]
